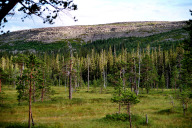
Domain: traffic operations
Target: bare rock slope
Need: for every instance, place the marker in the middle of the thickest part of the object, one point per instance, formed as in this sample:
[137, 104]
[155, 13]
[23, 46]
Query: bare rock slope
[93, 32]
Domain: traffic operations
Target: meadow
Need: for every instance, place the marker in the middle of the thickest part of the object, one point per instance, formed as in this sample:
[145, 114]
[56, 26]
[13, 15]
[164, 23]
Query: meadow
[89, 109]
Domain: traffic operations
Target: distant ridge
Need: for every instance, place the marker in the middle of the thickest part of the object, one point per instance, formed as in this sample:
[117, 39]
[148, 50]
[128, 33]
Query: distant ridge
[88, 33]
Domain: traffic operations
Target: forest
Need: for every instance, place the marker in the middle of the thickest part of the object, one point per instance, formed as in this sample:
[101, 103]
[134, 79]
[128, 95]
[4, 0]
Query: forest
[118, 82]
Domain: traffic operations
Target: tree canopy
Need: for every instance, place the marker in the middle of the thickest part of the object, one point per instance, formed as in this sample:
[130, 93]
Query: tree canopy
[47, 10]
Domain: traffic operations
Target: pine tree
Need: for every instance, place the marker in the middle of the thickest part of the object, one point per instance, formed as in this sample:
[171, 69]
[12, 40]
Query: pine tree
[118, 90]
[32, 63]
[187, 60]
[128, 98]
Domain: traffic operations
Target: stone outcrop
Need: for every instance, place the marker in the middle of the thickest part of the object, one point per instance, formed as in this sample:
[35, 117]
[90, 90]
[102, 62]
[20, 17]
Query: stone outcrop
[92, 32]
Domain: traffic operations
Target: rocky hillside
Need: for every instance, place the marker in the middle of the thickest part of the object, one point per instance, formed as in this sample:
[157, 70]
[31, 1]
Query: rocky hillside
[92, 32]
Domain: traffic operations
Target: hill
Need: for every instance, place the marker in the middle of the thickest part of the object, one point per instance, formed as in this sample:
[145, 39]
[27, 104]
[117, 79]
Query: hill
[92, 32]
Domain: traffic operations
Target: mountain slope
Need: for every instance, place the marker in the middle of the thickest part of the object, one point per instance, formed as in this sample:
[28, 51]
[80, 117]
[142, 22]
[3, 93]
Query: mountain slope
[92, 32]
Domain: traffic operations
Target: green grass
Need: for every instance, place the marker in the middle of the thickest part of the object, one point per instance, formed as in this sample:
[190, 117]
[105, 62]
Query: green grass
[87, 110]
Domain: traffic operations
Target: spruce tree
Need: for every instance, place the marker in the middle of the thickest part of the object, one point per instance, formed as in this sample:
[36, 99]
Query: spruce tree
[187, 60]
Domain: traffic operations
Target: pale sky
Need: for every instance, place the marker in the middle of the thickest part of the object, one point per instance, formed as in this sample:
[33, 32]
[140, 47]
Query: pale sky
[92, 12]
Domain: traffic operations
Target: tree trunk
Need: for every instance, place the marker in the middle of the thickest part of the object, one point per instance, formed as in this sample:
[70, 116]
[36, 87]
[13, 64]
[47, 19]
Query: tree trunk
[119, 102]
[175, 84]
[5, 10]
[129, 112]
[119, 107]
[88, 74]
[139, 75]
[34, 92]
[124, 78]
[167, 80]
[147, 91]
[30, 89]
[70, 80]
[59, 81]
[104, 78]
[184, 109]
[42, 91]
[0, 84]
[146, 119]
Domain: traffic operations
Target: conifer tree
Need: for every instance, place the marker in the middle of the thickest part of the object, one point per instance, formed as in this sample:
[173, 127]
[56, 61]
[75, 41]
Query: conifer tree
[2, 76]
[128, 98]
[187, 60]
[147, 72]
[162, 82]
[32, 63]
[118, 90]
[174, 79]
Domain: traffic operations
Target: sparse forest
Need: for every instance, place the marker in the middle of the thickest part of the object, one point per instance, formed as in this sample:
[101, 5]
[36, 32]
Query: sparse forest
[118, 82]
[113, 74]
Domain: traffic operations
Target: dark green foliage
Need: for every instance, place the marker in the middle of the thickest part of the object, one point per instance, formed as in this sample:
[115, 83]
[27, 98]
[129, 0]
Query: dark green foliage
[21, 125]
[39, 8]
[131, 42]
[129, 97]
[162, 82]
[34, 68]
[167, 111]
[147, 73]
[117, 117]
[2, 98]
[136, 119]
[187, 60]
[118, 91]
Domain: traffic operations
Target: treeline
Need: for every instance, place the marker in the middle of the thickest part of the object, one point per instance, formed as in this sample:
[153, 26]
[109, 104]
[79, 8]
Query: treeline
[147, 68]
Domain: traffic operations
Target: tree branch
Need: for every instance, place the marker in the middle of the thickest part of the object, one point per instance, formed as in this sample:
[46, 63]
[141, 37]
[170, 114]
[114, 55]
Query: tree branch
[7, 7]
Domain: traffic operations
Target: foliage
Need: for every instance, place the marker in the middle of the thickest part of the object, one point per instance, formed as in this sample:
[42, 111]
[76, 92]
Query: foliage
[47, 10]
[129, 97]
[124, 117]
[187, 60]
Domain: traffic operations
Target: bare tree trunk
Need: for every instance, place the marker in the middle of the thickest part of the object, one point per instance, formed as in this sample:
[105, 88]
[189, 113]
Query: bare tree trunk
[139, 74]
[104, 78]
[42, 91]
[88, 74]
[70, 79]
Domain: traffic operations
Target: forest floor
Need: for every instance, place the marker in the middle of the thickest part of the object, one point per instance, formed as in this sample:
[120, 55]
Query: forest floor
[88, 109]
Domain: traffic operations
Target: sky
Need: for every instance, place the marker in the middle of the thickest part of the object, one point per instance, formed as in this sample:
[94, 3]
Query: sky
[91, 12]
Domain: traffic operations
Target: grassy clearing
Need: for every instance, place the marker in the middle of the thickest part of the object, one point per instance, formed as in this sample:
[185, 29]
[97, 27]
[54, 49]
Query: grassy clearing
[87, 110]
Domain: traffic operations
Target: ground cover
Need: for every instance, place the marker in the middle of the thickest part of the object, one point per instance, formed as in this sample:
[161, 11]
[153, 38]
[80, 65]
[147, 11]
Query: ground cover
[88, 110]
